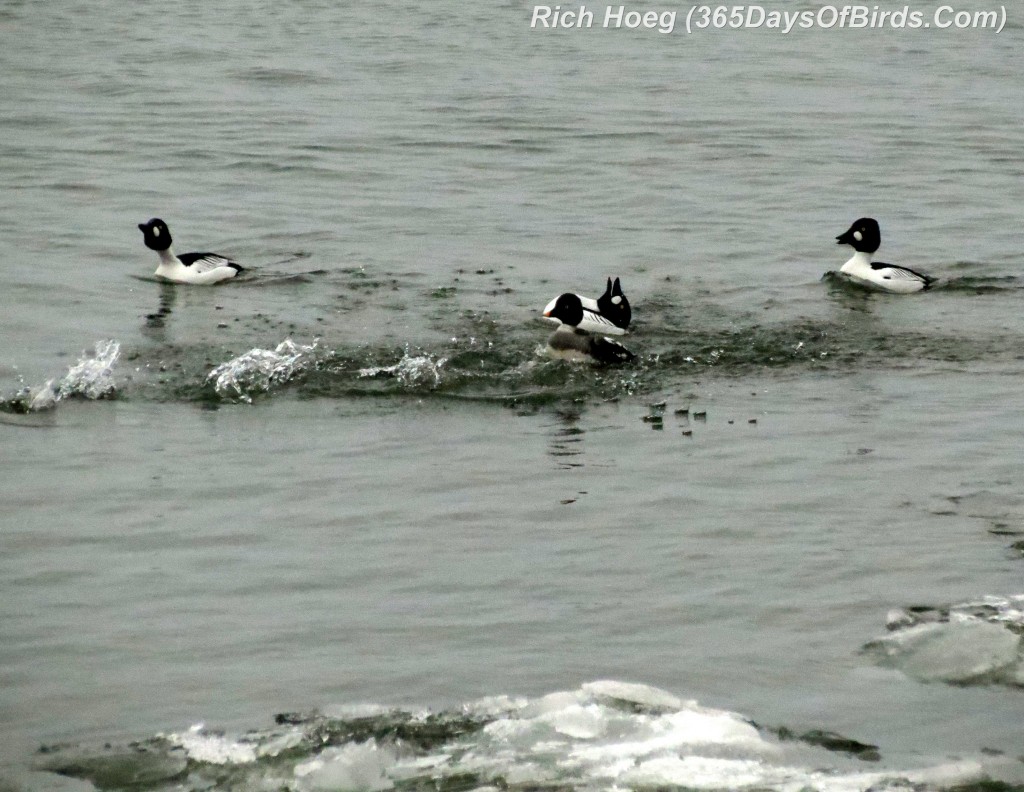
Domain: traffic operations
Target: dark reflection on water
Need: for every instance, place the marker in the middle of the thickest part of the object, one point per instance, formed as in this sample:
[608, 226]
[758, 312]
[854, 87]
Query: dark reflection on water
[156, 321]
[565, 443]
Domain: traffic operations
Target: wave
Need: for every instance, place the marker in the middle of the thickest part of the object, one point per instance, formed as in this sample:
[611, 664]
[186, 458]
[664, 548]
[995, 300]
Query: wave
[606, 735]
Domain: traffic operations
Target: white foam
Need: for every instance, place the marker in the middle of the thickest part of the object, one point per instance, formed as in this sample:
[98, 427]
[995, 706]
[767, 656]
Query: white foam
[579, 722]
[551, 703]
[213, 748]
[697, 772]
[939, 777]
[491, 706]
[585, 735]
[348, 711]
[584, 739]
[284, 742]
[688, 730]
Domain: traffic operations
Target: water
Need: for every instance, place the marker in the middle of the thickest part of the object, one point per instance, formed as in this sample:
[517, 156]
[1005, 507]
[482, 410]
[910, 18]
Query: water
[346, 487]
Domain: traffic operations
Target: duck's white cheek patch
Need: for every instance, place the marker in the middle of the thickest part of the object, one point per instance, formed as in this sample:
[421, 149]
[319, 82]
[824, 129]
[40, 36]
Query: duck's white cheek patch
[616, 300]
[156, 232]
[858, 236]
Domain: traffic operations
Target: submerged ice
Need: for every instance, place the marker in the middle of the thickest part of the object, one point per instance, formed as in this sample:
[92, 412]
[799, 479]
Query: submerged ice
[975, 642]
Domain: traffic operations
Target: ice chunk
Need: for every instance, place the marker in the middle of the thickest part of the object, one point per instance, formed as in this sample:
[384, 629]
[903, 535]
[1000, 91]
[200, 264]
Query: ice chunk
[356, 767]
[959, 651]
[582, 723]
[118, 768]
[695, 772]
[644, 696]
[680, 732]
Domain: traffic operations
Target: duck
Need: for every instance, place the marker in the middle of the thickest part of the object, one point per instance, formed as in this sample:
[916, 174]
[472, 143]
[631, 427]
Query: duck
[196, 268]
[571, 342]
[865, 238]
[610, 313]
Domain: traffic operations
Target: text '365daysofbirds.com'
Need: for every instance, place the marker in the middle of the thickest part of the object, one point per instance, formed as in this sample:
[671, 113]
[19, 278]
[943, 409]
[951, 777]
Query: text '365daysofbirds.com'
[759, 17]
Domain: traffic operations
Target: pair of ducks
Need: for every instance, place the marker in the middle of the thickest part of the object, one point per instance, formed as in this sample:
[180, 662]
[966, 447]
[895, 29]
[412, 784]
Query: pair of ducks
[610, 312]
[579, 317]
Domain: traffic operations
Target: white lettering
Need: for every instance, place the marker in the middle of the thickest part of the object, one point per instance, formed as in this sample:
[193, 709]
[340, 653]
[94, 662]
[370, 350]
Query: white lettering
[986, 19]
[939, 22]
[757, 16]
[619, 17]
[827, 16]
[608, 16]
[549, 17]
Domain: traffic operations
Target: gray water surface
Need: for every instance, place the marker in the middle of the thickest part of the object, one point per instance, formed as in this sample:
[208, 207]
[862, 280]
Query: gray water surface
[419, 511]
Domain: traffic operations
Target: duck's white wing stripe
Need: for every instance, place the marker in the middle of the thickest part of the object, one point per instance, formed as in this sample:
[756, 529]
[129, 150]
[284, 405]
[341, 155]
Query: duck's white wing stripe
[896, 272]
[594, 322]
[204, 262]
[902, 274]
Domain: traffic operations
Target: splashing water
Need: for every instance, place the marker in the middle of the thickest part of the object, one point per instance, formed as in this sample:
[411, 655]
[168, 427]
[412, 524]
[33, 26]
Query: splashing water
[258, 370]
[91, 378]
[411, 370]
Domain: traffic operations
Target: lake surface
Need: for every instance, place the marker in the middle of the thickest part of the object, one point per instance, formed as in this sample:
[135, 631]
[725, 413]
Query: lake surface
[344, 513]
